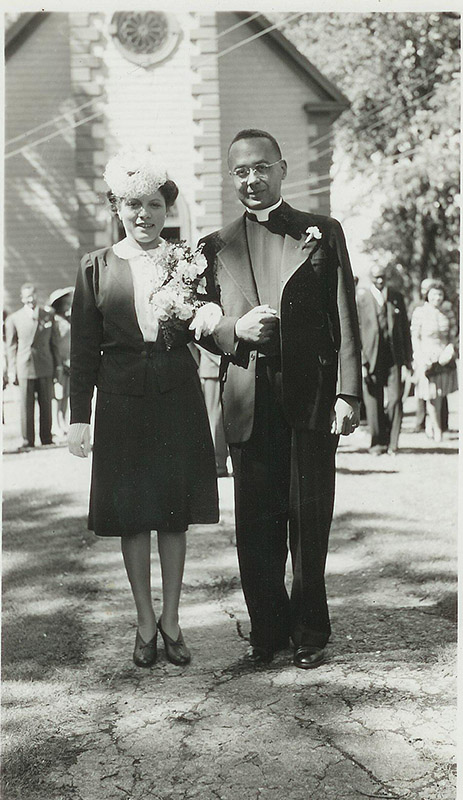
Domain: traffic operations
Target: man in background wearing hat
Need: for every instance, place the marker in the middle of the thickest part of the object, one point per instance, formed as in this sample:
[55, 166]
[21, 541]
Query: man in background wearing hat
[33, 356]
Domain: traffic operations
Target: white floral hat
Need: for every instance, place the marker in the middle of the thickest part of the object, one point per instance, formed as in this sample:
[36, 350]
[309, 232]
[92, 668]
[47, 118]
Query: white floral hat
[135, 171]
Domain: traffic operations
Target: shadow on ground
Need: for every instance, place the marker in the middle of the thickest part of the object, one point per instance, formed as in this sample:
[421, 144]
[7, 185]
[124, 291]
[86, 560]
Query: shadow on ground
[76, 706]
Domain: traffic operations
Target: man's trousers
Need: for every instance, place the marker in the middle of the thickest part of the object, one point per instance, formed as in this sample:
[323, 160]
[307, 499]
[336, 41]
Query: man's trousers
[28, 388]
[384, 422]
[283, 475]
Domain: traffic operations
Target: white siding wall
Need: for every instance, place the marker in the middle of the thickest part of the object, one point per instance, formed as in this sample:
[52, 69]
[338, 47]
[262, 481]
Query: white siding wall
[41, 242]
[154, 106]
[261, 88]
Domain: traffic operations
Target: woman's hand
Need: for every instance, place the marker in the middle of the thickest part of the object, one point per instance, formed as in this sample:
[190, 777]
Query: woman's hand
[79, 439]
[447, 355]
[205, 320]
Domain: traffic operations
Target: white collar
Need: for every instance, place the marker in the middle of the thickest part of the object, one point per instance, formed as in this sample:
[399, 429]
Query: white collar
[262, 214]
[129, 248]
[379, 296]
[32, 312]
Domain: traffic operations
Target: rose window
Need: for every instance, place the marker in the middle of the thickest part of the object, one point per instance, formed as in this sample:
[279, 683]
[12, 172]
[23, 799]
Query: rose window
[144, 37]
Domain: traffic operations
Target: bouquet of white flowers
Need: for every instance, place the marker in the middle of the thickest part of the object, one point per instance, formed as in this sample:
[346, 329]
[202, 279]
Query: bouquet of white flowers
[179, 295]
[182, 292]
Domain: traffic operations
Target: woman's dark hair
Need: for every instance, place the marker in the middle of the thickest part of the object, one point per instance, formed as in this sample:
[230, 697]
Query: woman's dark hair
[169, 191]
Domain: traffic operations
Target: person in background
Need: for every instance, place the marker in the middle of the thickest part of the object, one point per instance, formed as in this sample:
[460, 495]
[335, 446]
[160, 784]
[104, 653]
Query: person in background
[209, 369]
[420, 418]
[153, 459]
[61, 302]
[434, 334]
[386, 358]
[5, 365]
[32, 343]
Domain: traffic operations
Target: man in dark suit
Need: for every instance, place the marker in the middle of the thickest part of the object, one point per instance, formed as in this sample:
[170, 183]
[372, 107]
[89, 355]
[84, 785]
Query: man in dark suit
[292, 384]
[32, 343]
[386, 355]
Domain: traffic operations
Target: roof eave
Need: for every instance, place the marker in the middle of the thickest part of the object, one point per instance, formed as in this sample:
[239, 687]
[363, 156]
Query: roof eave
[26, 22]
[337, 98]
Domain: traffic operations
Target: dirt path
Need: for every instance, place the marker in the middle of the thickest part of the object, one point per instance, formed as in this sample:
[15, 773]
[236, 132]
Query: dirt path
[81, 722]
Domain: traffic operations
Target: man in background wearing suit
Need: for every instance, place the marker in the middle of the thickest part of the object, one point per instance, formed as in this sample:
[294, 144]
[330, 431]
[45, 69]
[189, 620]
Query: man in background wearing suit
[291, 385]
[32, 343]
[386, 355]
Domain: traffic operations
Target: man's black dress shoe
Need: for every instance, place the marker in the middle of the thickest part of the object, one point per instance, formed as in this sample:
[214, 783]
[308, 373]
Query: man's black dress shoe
[308, 657]
[145, 653]
[264, 655]
[176, 651]
[260, 656]
[378, 449]
[25, 445]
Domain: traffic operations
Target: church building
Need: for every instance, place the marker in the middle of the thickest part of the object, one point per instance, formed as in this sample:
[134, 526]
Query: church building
[78, 86]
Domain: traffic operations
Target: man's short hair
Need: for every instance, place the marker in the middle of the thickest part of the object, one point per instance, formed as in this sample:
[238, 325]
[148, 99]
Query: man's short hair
[27, 287]
[379, 270]
[255, 133]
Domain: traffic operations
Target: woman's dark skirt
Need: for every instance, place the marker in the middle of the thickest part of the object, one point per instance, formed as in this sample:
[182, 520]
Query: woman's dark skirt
[153, 460]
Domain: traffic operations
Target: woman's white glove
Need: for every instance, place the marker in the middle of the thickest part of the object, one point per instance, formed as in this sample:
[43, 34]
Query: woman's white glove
[79, 439]
[447, 355]
[206, 320]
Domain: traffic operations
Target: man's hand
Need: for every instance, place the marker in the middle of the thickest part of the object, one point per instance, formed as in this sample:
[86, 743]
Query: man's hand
[345, 416]
[79, 439]
[257, 326]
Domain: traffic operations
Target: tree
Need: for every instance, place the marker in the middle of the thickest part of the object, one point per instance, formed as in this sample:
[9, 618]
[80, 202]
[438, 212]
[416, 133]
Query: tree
[401, 73]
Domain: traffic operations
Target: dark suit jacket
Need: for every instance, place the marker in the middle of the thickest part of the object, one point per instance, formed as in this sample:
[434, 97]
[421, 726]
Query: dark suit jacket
[398, 328]
[319, 337]
[32, 345]
[107, 345]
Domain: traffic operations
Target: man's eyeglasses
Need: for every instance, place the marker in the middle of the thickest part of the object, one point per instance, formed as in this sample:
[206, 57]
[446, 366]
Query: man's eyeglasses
[260, 170]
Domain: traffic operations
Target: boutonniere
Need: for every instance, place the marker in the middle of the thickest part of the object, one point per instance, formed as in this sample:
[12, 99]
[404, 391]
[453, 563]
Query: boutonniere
[312, 233]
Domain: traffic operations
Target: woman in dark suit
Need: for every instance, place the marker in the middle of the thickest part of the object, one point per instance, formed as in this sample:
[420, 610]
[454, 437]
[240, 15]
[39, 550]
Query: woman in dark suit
[153, 458]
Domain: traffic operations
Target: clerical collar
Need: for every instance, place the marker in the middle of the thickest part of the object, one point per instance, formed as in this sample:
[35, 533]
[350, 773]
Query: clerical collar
[262, 214]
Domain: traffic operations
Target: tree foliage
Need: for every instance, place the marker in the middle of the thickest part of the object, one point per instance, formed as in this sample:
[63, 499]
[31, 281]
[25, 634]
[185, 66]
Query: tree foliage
[401, 73]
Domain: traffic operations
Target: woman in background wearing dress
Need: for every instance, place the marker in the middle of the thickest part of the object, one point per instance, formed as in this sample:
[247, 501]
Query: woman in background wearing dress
[434, 334]
[153, 457]
[61, 302]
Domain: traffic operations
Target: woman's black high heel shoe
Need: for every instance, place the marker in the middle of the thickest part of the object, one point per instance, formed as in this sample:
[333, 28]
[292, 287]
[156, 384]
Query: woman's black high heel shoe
[176, 652]
[145, 653]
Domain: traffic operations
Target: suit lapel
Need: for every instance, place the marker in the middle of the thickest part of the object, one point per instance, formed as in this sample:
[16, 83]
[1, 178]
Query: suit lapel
[293, 257]
[123, 297]
[41, 320]
[233, 259]
[389, 312]
[295, 252]
[32, 324]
